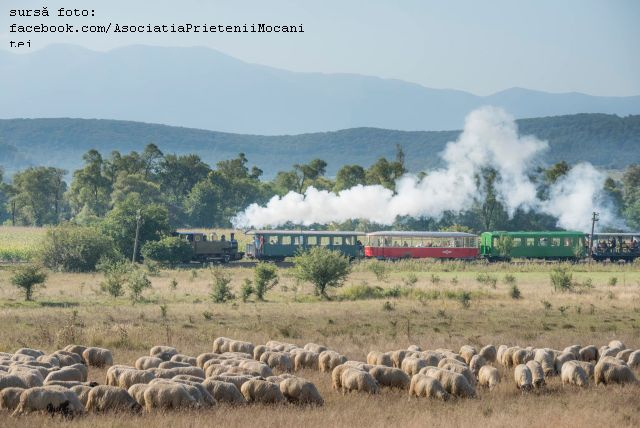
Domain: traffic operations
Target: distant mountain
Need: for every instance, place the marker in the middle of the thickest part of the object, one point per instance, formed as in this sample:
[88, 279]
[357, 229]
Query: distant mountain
[203, 88]
[607, 141]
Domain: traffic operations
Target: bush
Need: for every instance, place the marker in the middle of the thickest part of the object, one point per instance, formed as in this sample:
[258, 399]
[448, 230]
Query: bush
[169, 251]
[514, 292]
[509, 279]
[220, 289]
[115, 277]
[137, 282]
[323, 268]
[464, 298]
[486, 279]
[265, 277]
[410, 280]
[613, 281]
[27, 278]
[75, 248]
[246, 290]
[561, 279]
[379, 269]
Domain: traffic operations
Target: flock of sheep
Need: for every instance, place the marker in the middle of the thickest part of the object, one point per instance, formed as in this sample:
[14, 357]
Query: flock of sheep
[238, 372]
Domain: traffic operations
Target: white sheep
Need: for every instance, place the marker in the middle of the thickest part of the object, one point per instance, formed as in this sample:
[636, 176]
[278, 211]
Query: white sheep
[51, 399]
[573, 374]
[425, 386]
[488, 377]
[301, 391]
[104, 398]
[523, 377]
[261, 391]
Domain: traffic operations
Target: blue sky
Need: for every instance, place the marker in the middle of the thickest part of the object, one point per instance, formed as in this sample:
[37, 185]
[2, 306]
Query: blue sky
[478, 46]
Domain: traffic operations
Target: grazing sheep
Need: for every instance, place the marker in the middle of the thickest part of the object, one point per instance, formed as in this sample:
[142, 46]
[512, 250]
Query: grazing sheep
[30, 378]
[376, 358]
[114, 372]
[489, 353]
[66, 374]
[237, 380]
[414, 348]
[165, 353]
[129, 378]
[281, 346]
[454, 383]
[546, 359]
[574, 349]
[51, 399]
[452, 355]
[181, 358]
[64, 383]
[257, 367]
[426, 386]
[461, 369]
[305, 360]
[390, 377]
[507, 356]
[353, 379]
[82, 391]
[467, 352]
[523, 377]
[573, 374]
[198, 392]
[477, 361]
[634, 360]
[521, 356]
[412, 365]
[431, 357]
[624, 355]
[446, 361]
[587, 366]
[83, 369]
[280, 378]
[224, 392]
[588, 353]
[137, 392]
[144, 363]
[30, 369]
[611, 370]
[488, 377]
[231, 370]
[314, 347]
[10, 398]
[47, 359]
[104, 398]
[66, 358]
[203, 358]
[607, 351]
[98, 357]
[617, 344]
[328, 360]
[22, 358]
[35, 353]
[261, 391]
[336, 374]
[173, 365]
[537, 373]
[168, 395]
[397, 357]
[561, 359]
[300, 391]
[258, 350]
[500, 353]
[76, 349]
[277, 360]
[169, 373]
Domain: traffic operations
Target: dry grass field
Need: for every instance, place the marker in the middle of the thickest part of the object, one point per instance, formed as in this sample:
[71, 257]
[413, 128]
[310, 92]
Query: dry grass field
[72, 309]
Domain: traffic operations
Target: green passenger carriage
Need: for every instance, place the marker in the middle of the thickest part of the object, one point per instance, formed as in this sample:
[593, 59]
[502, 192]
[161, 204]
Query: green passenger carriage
[277, 245]
[533, 245]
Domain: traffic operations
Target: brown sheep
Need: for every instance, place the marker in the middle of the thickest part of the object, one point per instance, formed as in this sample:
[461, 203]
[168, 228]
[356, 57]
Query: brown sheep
[467, 352]
[105, 398]
[353, 379]
[390, 377]
[489, 353]
[588, 353]
[261, 391]
[426, 386]
[301, 391]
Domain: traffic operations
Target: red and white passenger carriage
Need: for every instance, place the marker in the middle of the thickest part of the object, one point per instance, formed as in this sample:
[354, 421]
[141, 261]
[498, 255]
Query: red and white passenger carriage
[418, 245]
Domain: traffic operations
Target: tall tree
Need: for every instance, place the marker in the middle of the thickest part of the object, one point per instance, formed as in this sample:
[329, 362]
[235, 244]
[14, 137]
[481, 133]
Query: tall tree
[349, 176]
[39, 195]
[90, 189]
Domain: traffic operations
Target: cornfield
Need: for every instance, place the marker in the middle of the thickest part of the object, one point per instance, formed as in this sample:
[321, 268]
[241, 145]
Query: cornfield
[19, 244]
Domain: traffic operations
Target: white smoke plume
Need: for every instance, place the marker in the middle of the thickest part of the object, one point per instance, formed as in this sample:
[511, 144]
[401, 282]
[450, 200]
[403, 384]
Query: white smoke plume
[489, 139]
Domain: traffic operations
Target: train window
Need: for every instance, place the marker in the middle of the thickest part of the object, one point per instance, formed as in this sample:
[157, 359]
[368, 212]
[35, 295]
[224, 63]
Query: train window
[312, 240]
[297, 240]
[544, 242]
[567, 242]
[337, 240]
[286, 240]
[517, 242]
[531, 242]
[348, 240]
[325, 240]
[555, 242]
[197, 238]
[274, 240]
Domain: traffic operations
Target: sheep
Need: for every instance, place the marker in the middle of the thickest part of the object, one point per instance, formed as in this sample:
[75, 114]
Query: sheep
[47, 359]
[412, 365]
[168, 395]
[573, 374]
[397, 357]
[237, 380]
[224, 392]
[523, 377]
[83, 369]
[114, 372]
[65, 374]
[359, 365]
[521, 356]
[313, 347]
[169, 373]
[82, 391]
[203, 358]
[461, 369]
[477, 361]
[51, 399]
[30, 377]
[537, 373]
[612, 370]
[336, 374]
[426, 386]
[180, 358]
[278, 379]
[280, 346]
[64, 383]
[488, 377]
[38, 371]
[617, 344]
[105, 398]
[328, 360]
[305, 360]
[221, 344]
[23, 358]
[261, 391]
[634, 360]
[67, 358]
[606, 351]
[144, 363]
[353, 379]
[198, 392]
[390, 377]
[217, 370]
[489, 353]
[452, 355]
[507, 356]
[301, 391]
[574, 349]
[137, 392]
[454, 383]
[35, 353]
[257, 367]
[10, 398]
[561, 359]
[277, 360]
[376, 358]
[173, 365]
[165, 353]
[432, 358]
[588, 353]
[546, 359]
[76, 349]
[131, 377]
[500, 353]
[98, 357]
[446, 361]
[587, 366]
[467, 352]
[624, 355]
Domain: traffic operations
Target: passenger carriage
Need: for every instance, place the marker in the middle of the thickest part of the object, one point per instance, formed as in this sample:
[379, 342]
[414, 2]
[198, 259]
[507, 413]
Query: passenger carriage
[616, 246]
[560, 245]
[391, 245]
[277, 245]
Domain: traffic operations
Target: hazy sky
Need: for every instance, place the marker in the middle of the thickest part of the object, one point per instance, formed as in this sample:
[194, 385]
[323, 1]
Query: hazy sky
[590, 46]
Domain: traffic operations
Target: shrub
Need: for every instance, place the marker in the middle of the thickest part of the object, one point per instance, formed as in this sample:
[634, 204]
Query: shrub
[168, 251]
[265, 277]
[546, 304]
[246, 290]
[323, 268]
[509, 279]
[75, 248]
[486, 279]
[379, 269]
[137, 282]
[514, 292]
[115, 277]
[561, 279]
[464, 298]
[613, 281]
[173, 284]
[27, 278]
[220, 289]
[410, 280]
[435, 279]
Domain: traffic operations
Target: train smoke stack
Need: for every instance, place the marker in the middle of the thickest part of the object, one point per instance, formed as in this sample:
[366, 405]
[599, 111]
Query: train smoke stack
[490, 139]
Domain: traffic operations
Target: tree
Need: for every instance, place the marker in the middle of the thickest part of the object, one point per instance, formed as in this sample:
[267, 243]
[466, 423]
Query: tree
[27, 278]
[265, 277]
[203, 204]
[75, 248]
[631, 183]
[168, 251]
[177, 175]
[556, 171]
[349, 176]
[90, 189]
[39, 195]
[323, 268]
[385, 173]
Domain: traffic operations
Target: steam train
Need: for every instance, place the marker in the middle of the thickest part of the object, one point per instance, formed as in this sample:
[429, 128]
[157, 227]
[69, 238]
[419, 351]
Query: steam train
[277, 245]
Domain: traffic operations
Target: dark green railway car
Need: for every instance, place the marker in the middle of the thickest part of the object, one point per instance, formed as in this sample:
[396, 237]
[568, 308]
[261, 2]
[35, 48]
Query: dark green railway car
[279, 244]
[533, 245]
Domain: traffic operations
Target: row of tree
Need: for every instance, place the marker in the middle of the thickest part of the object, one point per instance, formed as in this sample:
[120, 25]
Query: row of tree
[182, 191]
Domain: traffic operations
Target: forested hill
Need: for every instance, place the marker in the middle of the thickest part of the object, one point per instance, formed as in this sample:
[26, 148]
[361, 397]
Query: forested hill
[607, 141]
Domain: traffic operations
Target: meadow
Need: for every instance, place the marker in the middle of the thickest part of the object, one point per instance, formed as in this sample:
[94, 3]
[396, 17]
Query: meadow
[430, 304]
